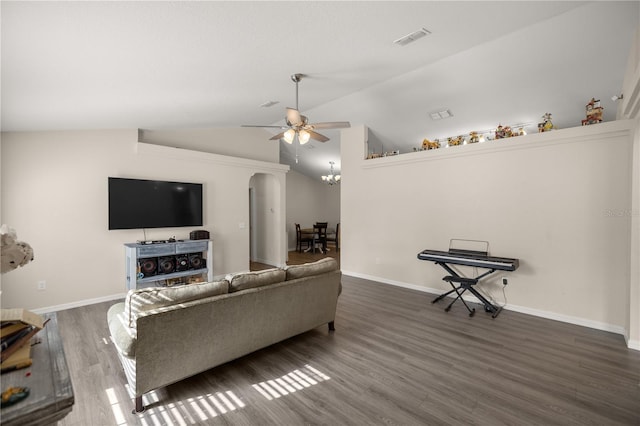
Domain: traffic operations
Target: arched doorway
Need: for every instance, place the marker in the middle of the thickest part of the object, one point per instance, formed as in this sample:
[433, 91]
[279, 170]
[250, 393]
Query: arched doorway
[265, 222]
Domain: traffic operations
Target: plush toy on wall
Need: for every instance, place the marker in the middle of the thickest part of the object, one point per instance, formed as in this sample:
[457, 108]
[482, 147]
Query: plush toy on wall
[14, 253]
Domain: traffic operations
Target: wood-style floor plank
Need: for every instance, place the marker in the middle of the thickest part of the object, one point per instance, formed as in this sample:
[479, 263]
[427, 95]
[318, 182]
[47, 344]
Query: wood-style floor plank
[394, 359]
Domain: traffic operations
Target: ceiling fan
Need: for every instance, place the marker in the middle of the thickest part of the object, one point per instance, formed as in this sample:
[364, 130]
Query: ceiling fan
[298, 124]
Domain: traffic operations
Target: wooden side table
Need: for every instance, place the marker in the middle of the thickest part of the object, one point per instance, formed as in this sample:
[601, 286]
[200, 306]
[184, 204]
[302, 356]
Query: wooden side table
[51, 396]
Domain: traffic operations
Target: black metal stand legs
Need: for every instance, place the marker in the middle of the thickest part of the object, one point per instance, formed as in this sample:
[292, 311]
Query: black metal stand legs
[460, 285]
[464, 284]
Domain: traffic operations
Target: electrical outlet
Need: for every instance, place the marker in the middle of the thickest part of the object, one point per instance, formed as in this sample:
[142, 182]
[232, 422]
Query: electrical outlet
[504, 281]
[42, 285]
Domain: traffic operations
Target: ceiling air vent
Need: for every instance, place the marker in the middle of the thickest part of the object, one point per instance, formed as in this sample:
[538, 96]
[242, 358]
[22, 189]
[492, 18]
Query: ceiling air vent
[410, 38]
[269, 104]
[439, 115]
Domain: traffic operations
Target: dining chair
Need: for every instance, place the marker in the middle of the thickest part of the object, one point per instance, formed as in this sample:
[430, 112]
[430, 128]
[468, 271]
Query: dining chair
[335, 237]
[302, 238]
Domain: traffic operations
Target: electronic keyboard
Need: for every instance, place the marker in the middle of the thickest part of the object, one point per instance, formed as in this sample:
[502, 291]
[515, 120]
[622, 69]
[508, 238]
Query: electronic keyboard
[470, 258]
[460, 284]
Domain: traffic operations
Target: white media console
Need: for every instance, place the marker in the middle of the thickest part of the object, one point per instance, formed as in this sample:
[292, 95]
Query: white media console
[168, 263]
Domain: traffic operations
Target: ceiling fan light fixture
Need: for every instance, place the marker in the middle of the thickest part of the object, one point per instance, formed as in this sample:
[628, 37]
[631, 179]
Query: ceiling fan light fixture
[298, 124]
[289, 135]
[303, 136]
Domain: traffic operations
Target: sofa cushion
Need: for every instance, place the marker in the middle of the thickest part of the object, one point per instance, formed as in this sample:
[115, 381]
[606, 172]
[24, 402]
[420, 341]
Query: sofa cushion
[245, 280]
[146, 299]
[321, 266]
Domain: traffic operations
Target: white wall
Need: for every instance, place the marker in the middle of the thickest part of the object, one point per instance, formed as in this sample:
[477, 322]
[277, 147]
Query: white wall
[556, 201]
[253, 143]
[54, 193]
[309, 201]
[629, 107]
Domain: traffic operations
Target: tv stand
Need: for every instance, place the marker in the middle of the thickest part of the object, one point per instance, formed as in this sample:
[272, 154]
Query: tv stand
[165, 264]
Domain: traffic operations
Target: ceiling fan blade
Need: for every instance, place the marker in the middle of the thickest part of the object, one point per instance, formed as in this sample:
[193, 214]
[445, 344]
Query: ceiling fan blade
[331, 125]
[278, 136]
[294, 118]
[317, 136]
[268, 127]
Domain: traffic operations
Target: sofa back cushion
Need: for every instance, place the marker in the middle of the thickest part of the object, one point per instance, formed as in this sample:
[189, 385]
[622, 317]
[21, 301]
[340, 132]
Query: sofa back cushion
[321, 266]
[245, 280]
[146, 299]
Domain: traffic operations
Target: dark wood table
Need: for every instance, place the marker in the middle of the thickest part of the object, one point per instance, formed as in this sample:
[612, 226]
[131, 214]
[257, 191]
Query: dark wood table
[51, 396]
[314, 235]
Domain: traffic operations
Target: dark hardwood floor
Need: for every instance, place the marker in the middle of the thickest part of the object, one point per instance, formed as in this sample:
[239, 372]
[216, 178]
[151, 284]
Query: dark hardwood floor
[394, 359]
[295, 258]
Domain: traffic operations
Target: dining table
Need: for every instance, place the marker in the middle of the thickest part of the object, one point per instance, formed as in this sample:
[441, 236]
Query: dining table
[314, 235]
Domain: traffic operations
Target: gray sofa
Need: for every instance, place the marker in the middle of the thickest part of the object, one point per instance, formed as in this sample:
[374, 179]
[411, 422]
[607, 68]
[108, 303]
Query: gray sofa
[166, 334]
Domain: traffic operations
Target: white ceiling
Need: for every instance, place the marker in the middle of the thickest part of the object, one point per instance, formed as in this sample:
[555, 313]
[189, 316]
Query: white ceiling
[154, 65]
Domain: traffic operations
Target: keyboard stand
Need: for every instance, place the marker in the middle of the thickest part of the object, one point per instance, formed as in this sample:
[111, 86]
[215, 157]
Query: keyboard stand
[464, 284]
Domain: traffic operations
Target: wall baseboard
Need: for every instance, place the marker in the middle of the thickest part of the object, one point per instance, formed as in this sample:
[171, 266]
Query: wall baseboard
[631, 344]
[78, 304]
[267, 262]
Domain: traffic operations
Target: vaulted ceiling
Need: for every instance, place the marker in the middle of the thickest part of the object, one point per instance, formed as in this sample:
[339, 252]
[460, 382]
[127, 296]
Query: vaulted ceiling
[155, 65]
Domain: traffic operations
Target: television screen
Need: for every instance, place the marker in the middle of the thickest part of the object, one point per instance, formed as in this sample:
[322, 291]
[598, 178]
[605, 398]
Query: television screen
[138, 203]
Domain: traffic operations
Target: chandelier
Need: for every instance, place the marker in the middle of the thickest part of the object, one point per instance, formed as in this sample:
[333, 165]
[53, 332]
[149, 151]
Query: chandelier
[331, 178]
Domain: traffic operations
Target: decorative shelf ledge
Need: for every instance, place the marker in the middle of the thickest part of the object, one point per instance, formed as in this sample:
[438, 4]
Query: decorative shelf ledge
[535, 140]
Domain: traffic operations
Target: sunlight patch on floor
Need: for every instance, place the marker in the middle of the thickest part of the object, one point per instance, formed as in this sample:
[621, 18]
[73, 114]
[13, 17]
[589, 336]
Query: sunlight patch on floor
[193, 410]
[115, 407]
[203, 408]
[289, 383]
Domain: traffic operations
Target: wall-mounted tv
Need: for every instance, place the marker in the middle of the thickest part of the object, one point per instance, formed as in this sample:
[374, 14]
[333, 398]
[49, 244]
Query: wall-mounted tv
[139, 203]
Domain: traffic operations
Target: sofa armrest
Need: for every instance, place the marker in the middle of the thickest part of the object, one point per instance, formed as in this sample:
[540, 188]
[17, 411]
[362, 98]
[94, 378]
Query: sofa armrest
[123, 336]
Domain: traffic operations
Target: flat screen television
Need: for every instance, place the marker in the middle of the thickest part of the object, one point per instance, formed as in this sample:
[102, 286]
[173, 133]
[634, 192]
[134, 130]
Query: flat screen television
[139, 204]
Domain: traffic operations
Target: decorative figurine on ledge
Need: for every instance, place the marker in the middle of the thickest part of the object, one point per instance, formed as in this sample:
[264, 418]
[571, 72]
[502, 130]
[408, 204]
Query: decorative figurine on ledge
[427, 144]
[454, 141]
[594, 112]
[503, 132]
[546, 124]
[474, 137]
